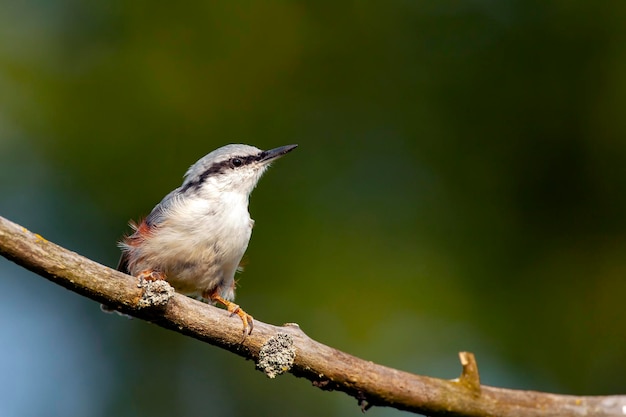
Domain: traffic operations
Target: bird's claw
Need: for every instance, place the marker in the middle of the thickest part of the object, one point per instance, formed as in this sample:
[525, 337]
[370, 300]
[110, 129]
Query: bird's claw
[246, 319]
[151, 275]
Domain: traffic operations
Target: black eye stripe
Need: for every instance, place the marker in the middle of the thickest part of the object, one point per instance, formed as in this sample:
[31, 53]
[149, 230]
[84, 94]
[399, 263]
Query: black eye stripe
[244, 160]
[219, 168]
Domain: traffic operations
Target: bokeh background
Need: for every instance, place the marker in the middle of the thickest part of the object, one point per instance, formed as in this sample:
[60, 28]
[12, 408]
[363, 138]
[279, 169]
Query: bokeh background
[460, 185]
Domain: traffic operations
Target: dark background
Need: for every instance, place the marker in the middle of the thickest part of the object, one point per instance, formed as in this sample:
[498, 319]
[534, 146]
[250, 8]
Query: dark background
[459, 185]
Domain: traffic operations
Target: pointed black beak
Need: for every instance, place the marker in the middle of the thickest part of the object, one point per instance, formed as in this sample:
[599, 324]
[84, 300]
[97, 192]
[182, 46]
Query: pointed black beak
[267, 156]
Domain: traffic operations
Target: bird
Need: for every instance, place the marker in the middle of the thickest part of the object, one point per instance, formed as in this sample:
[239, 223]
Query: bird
[197, 235]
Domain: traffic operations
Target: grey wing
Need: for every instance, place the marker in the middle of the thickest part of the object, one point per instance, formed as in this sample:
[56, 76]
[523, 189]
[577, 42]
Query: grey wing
[153, 219]
[159, 212]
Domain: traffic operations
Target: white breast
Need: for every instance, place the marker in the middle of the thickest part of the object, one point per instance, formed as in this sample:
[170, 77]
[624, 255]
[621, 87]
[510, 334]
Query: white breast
[201, 243]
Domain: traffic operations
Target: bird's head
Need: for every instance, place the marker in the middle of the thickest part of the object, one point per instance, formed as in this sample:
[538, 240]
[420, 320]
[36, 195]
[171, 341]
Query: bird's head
[231, 168]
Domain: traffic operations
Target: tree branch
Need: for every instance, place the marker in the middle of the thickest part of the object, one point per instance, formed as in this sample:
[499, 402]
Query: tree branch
[287, 348]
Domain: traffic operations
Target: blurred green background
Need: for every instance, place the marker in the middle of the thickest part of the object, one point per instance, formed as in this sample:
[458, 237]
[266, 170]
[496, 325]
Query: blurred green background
[460, 184]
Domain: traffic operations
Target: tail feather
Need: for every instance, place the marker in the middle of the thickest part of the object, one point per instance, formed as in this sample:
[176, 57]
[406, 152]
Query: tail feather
[122, 265]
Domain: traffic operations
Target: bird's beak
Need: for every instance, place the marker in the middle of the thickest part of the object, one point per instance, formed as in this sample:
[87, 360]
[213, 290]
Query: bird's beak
[267, 156]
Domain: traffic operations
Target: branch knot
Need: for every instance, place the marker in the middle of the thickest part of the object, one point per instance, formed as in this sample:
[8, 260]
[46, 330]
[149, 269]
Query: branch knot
[155, 293]
[276, 355]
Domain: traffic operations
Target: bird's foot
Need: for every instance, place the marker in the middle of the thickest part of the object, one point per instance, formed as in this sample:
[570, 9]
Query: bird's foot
[247, 319]
[151, 275]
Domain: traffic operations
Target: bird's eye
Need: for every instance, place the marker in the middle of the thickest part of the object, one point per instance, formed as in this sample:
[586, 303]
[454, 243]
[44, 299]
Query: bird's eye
[237, 162]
